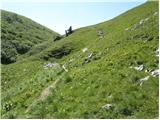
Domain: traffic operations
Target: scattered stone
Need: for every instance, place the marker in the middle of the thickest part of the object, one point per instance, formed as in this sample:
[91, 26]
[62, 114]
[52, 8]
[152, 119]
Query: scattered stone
[146, 19]
[110, 96]
[156, 13]
[139, 68]
[146, 71]
[86, 60]
[85, 50]
[157, 52]
[65, 69]
[50, 65]
[141, 22]
[100, 33]
[155, 73]
[143, 79]
[107, 106]
[149, 70]
[71, 87]
[135, 26]
[126, 29]
[90, 55]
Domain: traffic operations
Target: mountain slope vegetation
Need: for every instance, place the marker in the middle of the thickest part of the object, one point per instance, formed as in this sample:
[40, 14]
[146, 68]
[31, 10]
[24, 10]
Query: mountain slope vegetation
[19, 35]
[85, 75]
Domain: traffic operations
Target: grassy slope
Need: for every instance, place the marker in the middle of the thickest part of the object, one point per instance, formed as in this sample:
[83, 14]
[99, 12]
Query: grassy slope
[83, 90]
[20, 34]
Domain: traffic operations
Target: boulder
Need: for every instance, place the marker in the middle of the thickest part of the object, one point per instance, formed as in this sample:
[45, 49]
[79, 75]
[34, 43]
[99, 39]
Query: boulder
[107, 106]
[149, 70]
[50, 65]
[143, 79]
[100, 33]
[155, 73]
[126, 29]
[139, 68]
[84, 50]
[110, 97]
[141, 22]
[146, 19]
[86, 60]
[65, 69]
[156, 13]
[157, 52]
[90, 55]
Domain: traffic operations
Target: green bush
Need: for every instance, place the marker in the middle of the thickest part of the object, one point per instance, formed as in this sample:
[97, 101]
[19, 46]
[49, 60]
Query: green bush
[67, 79]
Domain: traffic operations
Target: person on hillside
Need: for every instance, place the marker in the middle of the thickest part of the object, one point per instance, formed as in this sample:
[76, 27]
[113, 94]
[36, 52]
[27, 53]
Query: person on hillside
[69, 31]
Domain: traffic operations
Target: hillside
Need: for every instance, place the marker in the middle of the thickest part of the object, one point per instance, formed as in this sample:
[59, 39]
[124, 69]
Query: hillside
[85, 75]
[19, 35]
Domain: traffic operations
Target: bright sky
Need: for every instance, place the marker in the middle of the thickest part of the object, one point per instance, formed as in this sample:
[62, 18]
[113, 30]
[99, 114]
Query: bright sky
[58, 16]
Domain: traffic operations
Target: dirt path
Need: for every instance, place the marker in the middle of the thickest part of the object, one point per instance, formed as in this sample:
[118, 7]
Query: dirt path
[44, 94]
[47, 91]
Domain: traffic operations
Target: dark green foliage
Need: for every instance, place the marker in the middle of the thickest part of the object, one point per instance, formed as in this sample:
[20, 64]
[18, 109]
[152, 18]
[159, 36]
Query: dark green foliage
[57, 51]
[67, 79]
[19, 35]
[57, 38]
[8, 53]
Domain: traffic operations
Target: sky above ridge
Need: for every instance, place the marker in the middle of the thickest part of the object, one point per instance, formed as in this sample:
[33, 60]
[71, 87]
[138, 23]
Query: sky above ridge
[58, 16]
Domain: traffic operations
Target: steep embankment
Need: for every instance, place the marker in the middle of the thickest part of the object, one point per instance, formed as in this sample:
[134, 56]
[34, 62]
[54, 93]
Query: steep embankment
[19, 35]
[111, 75]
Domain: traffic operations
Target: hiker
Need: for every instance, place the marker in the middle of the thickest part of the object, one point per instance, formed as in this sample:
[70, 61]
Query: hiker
[69, 31]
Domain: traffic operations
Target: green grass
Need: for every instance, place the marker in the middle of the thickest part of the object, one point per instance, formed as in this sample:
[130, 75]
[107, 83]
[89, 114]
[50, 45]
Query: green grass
[85, 88]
